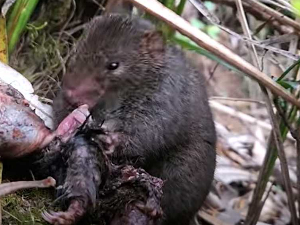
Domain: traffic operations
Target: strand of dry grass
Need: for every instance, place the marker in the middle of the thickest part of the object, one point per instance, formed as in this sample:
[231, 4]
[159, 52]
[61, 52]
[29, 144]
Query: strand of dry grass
[277, 15]
[258, 9]
[263, 16]
[264, 45]
[238, 101]
[285, 3]
[254, 209]
[242, 116]
[199, 5]
[158, 10]
[278, 4]
[260, 44]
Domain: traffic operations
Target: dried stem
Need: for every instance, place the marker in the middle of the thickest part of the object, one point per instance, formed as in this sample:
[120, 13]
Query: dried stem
[260, 15]
[277, 15]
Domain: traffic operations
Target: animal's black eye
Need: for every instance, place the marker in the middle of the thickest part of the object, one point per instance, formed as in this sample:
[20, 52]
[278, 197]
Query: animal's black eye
[112, 66]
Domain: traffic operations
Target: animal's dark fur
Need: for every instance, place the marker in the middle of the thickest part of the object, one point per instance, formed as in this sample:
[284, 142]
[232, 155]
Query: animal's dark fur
[155, 103]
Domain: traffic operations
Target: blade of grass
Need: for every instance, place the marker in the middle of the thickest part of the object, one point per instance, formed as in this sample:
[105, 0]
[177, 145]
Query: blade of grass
[13, 15]
[167, 30]
[262, 181]
[169, 4]
[21, 13]
[191, 46]
[180, 7]
[283, 75]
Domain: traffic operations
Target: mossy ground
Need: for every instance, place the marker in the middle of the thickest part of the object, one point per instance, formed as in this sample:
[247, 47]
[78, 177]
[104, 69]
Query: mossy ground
[26, 206]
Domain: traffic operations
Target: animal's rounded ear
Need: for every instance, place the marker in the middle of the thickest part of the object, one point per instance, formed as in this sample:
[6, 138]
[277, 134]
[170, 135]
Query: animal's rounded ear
[118, 7]
[153, 43]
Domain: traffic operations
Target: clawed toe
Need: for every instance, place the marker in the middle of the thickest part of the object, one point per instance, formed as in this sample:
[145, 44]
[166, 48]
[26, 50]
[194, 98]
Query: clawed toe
[58, 218]
[152, 212]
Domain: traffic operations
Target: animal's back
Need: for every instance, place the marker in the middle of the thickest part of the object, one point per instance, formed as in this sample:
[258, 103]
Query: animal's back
[189, 161]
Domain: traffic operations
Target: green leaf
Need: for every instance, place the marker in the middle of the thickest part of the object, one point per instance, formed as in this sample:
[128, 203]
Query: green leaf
[210, 5]
[169, 3]
[288, 84]
[180, 7]
[188, 44]
[16, 24]
[288, 70]
[197, 23]
[213, 31]
[296, 4]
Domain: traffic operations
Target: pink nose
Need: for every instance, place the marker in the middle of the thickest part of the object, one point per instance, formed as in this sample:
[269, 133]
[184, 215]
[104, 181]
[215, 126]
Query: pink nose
[70, 96]
[77, 97]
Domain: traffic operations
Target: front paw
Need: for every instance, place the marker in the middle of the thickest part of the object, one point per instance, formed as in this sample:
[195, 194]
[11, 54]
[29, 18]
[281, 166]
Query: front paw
[59, 218]
[153, 211]
[69, 217]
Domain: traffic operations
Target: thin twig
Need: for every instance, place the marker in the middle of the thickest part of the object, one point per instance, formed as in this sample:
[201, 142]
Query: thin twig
[287, 4]
[258, 14]
[277, 15]
[248, 100]
[261, 204]
[212, 72]
[13, 216]
[279, 5]
[242, 116]
[259, 44]
[204, 11]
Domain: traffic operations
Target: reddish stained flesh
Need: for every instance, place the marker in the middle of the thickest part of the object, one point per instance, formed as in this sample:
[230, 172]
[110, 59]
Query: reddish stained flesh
[23, 132]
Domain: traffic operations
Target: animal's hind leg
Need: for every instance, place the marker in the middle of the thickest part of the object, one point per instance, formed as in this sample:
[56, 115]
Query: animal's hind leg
[187, 180]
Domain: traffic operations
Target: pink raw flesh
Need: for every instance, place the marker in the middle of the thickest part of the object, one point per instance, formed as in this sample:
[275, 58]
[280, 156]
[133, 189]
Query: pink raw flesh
[23, 132]
[72, 122]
